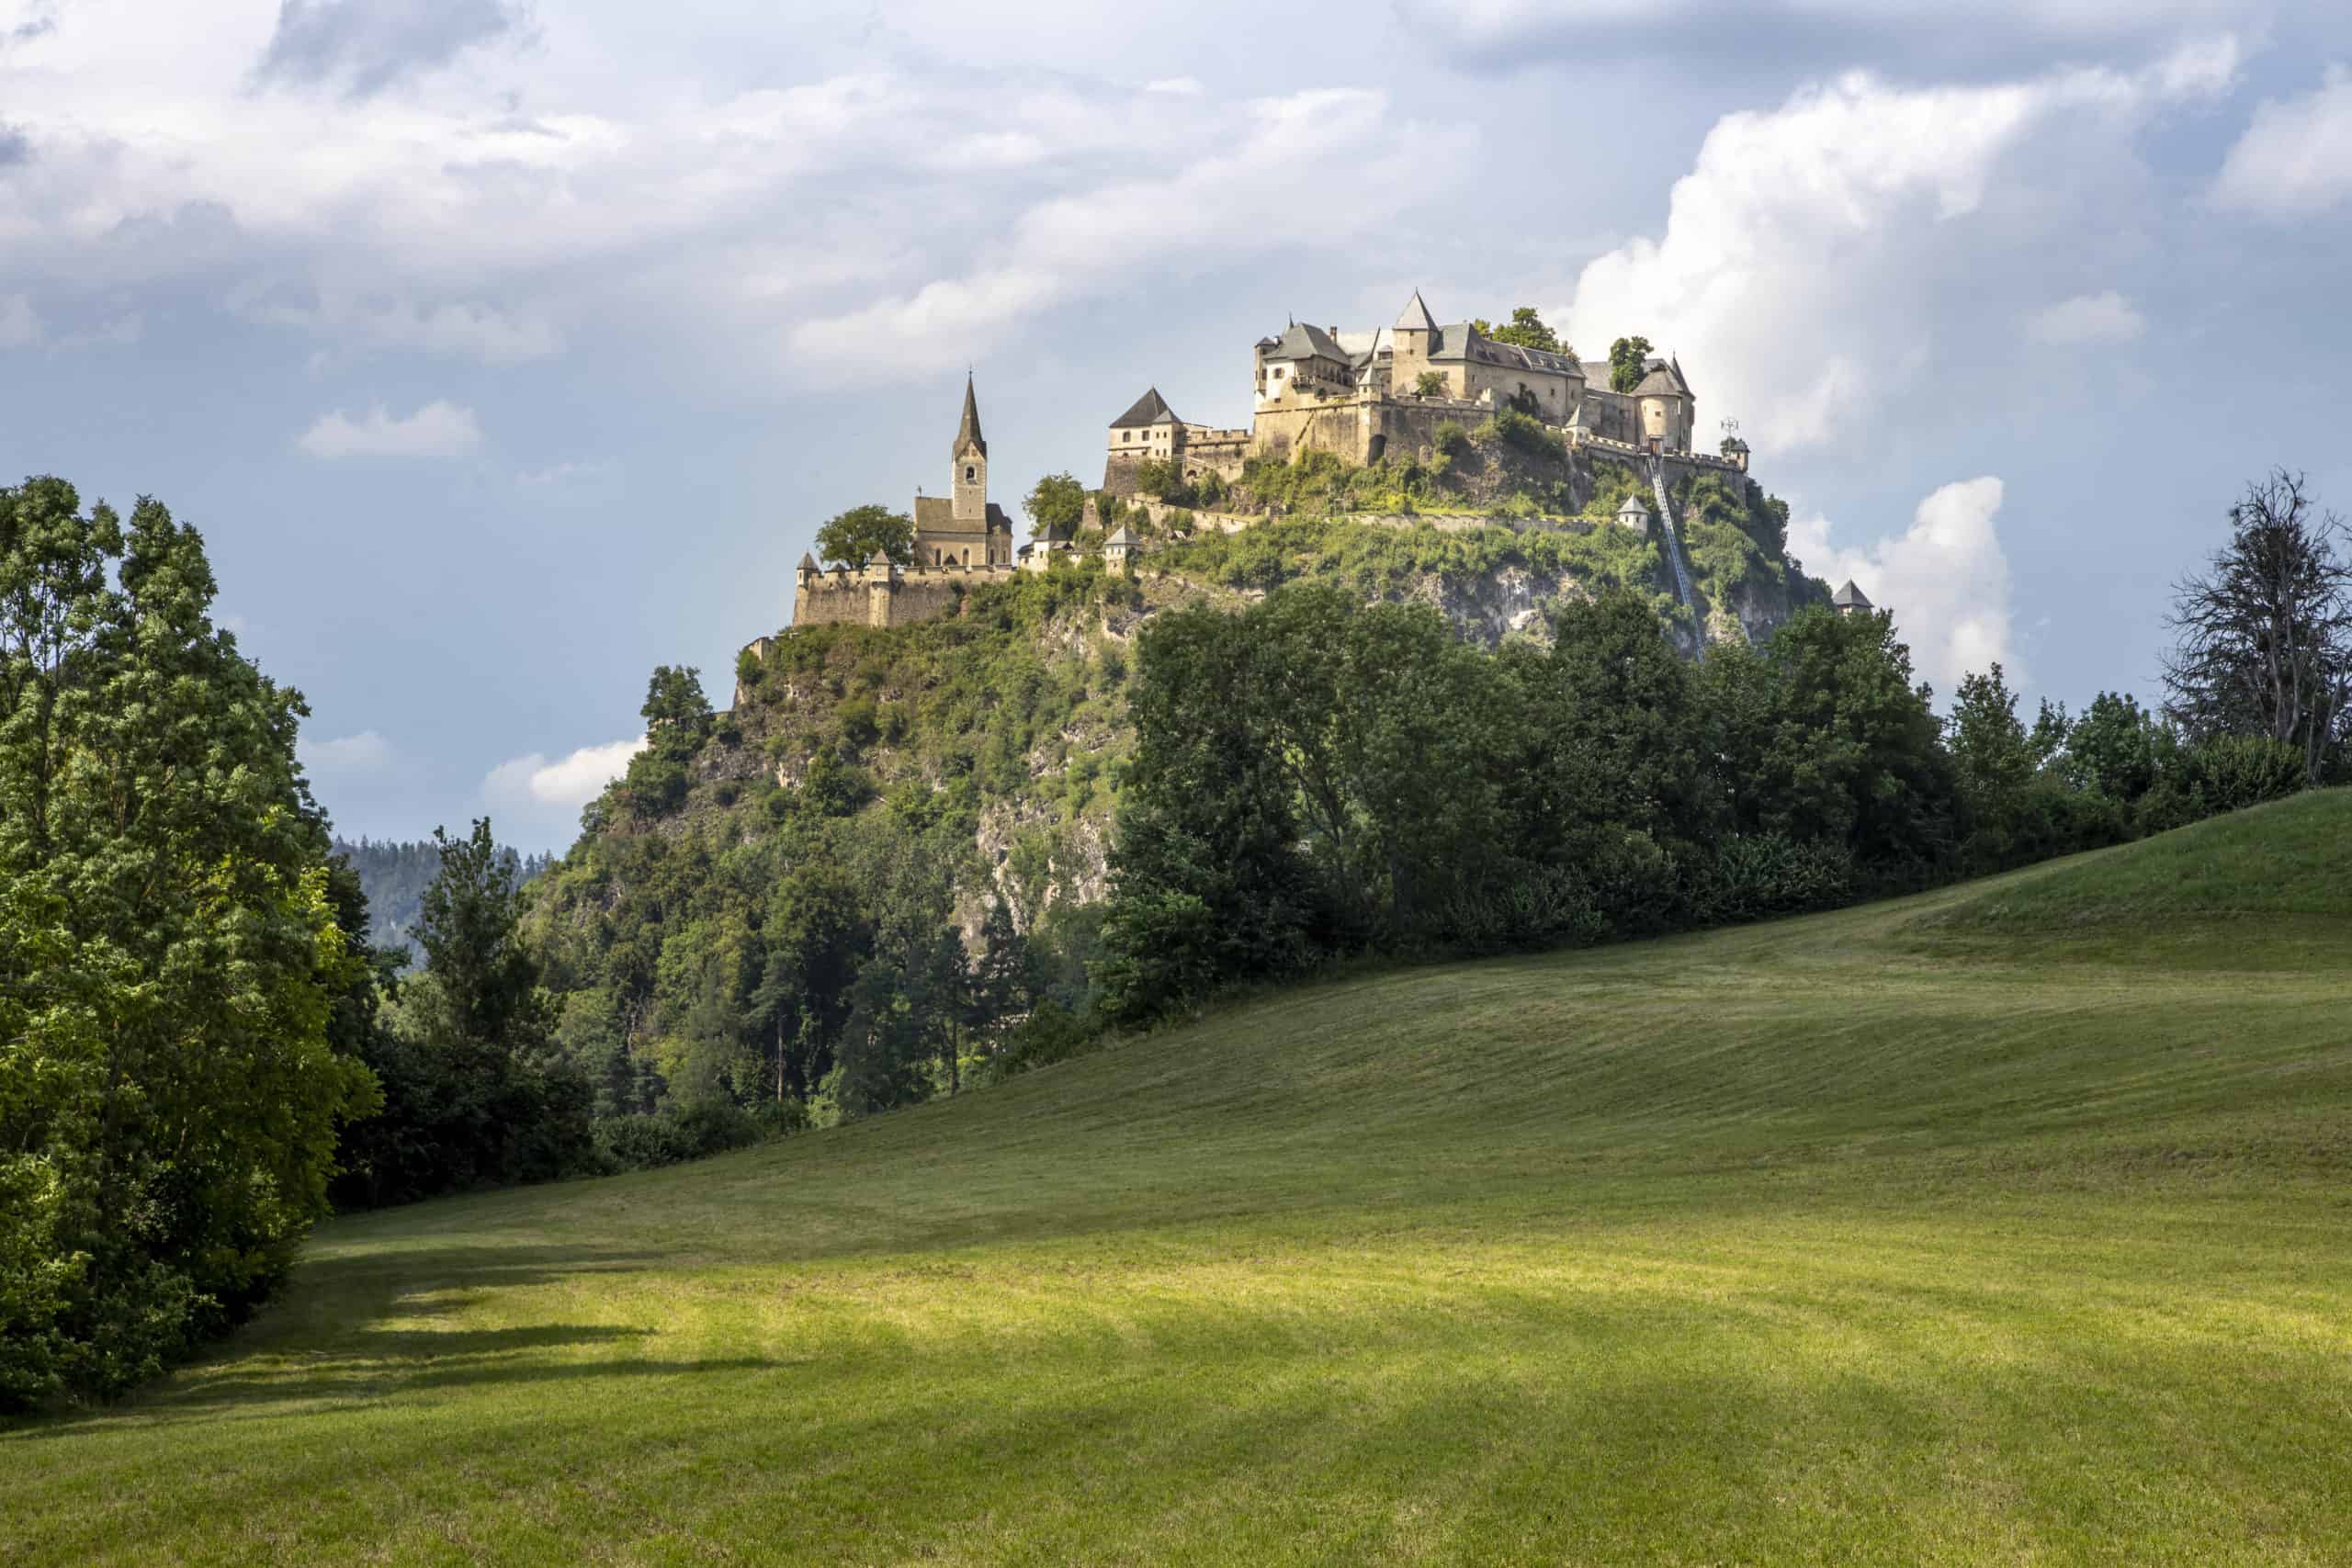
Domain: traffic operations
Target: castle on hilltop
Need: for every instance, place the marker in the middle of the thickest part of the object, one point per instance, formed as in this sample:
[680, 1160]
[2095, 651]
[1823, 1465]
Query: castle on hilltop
[1362, 395]
[1358, 395]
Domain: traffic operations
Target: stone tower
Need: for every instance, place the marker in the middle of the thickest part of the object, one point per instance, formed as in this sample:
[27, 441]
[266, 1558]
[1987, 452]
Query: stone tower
[1410, 339]
[971, 491]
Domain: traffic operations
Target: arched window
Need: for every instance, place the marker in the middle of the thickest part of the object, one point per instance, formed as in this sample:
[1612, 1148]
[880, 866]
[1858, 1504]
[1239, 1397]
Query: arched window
[969, 473]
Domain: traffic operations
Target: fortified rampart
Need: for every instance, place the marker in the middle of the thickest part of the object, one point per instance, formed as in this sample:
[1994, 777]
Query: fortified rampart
[886, 594]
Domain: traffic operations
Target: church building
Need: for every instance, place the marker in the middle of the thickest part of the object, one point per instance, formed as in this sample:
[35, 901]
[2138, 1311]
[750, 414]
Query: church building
[964, 527]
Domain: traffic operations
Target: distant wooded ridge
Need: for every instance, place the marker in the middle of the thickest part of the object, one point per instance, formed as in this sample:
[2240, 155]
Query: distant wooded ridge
[394, 874]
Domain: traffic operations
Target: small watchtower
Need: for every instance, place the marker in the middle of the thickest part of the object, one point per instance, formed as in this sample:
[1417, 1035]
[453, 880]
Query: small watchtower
[1851, 600]
[1633, 514]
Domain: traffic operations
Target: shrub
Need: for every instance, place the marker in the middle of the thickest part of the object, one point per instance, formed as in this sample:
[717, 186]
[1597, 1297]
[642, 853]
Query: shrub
[1523, 433]
[2238, 771]
[1050, 1034]
[1753, 876]
[1450, 438]
[856, 719]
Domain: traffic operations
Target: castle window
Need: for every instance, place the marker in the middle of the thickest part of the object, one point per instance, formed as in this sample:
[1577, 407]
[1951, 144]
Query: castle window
[970, 472]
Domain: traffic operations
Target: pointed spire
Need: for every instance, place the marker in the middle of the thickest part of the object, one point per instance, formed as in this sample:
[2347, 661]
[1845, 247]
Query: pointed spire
[967, 433]
[1414, 316]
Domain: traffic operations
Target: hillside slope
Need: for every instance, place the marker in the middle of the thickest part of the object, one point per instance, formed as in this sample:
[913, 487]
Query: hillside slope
[1885, 1236]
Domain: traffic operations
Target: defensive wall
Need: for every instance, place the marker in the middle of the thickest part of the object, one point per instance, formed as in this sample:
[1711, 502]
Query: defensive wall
[888, 595]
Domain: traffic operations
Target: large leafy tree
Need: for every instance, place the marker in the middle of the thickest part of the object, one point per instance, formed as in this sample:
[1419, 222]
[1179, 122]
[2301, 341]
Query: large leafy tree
[171, 960]
[1057, 501]
[1628, 359]
[1527, 330]
[1823, 736]
[860, 534]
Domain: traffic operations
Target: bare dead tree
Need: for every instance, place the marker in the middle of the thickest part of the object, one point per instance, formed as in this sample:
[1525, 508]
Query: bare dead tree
[2264, 634]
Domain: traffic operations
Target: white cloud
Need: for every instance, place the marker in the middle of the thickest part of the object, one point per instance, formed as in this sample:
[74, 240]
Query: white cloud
[2295, 157]
[438, 429]
[457, 329]
[2087, 319]
[1237, 194]
[19, 327]
[570, 781]
[1945, 578]
[1179, 86]
[568, 478]
[365, 752]
[1821, 259]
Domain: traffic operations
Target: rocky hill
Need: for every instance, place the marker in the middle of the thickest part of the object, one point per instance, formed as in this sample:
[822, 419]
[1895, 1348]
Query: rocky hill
[981, 756]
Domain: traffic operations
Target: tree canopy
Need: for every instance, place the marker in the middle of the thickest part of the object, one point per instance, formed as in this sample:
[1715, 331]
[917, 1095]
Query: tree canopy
[1057, 501]
[1526, 330]
[172, 956]
[857, 535]
[1628, 362]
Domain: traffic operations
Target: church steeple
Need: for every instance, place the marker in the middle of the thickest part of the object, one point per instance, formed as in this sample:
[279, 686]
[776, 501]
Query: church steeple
[967, 433]
[970, 465]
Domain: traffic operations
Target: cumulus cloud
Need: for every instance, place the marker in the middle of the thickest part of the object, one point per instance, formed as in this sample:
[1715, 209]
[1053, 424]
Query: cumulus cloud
[1815, 252]
[2087, 319]
[20, 326]
[2295, 157]
[365, 752]
[1945, 577]
[367, 45]
[541, 799]
[438, 429]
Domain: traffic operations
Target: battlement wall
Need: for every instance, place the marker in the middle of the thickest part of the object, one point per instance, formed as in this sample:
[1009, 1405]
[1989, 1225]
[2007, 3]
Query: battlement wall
[901, 597]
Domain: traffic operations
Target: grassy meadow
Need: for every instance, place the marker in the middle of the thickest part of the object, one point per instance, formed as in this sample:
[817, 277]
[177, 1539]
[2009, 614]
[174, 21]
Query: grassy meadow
[2011, 1223]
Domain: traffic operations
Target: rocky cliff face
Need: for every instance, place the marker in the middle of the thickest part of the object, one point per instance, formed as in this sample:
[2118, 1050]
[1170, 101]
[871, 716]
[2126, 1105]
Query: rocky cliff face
[1006, 728]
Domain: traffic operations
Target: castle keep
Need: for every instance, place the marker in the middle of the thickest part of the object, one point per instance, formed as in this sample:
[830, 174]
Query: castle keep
[1362, 395]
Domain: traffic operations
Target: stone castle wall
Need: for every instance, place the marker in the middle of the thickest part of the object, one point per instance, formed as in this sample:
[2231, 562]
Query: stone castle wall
[1363, 428]
[903, 597]
[1222, 455]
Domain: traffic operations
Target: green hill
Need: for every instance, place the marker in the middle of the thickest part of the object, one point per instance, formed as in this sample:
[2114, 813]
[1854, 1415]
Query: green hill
[1931, 1231]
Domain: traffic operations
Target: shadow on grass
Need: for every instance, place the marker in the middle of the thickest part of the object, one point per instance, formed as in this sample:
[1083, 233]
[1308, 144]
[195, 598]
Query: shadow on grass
[320, 1342]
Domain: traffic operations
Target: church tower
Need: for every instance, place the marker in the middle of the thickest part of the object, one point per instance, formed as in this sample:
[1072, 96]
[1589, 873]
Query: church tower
[972, 472]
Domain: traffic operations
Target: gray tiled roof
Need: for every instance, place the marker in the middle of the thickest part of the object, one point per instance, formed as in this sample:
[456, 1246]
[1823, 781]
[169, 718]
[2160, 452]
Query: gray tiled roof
[1456, 342]
[1416, 315]
[1665, 380]
[1149, 409]
[1300, 340]
[1850, 597]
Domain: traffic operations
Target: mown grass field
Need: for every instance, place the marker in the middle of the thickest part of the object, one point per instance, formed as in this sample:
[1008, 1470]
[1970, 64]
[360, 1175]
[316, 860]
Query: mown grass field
[2009, 1224]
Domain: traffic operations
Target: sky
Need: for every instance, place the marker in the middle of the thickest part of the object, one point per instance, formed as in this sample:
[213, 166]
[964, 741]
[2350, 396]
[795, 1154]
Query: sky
[505, 349]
